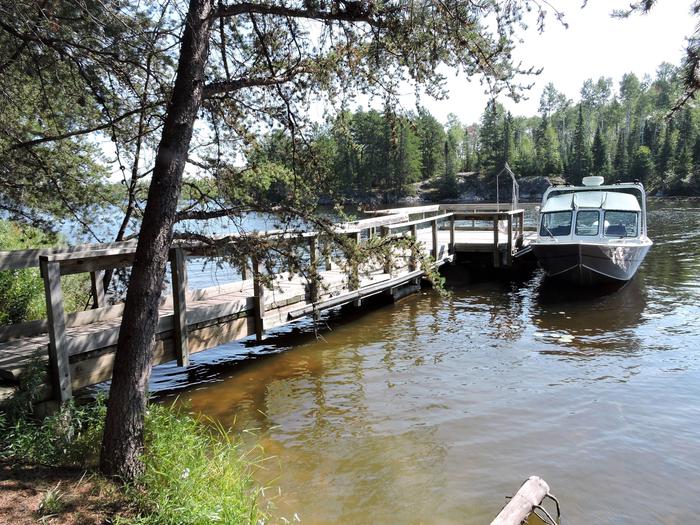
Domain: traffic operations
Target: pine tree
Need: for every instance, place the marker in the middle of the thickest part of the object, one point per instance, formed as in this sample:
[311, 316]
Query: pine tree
[694, 183]
[642, 165]
[664, 160]
[684, 154]
[448, 181]
[621, 164]
[599, 154]
[579, 156]
[491, 139]
[547, 149]
[432, 138]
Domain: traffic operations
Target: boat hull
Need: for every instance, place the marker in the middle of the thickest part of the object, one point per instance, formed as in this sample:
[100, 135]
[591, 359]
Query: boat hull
[588, 264]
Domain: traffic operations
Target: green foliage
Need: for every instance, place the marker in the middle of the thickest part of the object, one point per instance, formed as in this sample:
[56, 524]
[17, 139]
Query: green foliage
[642, 166]
[621, 164]
[369, 151]
[580, 160]
[69, 438]
[547, 149]
[357, 154]
[491, 139]
[599, 154]
[263, 185]
[22, 290]
[32, 379]
[194, 472]
[432, 142]
[52, 502]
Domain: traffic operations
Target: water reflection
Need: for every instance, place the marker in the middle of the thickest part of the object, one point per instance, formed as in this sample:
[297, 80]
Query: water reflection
[589, 320]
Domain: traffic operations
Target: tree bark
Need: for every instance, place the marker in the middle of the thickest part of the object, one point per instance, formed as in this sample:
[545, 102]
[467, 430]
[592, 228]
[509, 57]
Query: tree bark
[124, 426]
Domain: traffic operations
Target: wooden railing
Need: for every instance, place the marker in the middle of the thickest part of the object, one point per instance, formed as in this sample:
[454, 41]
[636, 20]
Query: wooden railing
[514, 221]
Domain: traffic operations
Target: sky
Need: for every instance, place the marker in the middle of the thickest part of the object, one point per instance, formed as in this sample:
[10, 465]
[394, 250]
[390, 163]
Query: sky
[594, 45]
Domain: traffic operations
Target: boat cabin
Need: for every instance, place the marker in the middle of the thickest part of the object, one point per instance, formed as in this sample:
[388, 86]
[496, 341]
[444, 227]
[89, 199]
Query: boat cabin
[592, 214]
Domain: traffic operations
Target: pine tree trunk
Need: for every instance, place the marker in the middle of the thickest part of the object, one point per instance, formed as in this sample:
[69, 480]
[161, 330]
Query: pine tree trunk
[123, 436]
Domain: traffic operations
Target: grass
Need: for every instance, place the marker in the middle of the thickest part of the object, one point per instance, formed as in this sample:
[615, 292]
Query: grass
[195, 473]
[52, 503]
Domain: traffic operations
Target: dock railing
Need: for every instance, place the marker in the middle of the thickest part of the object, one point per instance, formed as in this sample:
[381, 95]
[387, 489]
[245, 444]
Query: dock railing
[96, 259]
[481, 216]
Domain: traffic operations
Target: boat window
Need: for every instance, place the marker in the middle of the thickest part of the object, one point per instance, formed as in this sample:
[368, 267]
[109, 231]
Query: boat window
[587, 223]
[556, 223]
[621, 223]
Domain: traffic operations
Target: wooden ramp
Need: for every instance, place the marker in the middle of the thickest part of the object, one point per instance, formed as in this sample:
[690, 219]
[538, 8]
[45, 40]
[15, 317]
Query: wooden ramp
[79, 348]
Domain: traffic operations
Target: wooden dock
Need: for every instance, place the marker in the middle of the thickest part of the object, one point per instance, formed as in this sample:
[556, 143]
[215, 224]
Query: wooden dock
[79, 347]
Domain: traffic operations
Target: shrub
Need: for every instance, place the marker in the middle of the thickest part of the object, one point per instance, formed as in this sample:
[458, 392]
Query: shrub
[22, 290]
[194, 472]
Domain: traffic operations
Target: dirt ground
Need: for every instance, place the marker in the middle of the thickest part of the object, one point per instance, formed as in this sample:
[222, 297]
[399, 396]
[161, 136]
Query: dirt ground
[76, 497]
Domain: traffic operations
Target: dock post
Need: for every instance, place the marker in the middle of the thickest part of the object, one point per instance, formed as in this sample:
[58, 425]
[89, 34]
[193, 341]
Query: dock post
[452, 234]
[521, 231]
[97, 289]
[327, 262]
[436, 248]
[496, 253]
[509, 248]
[244, 269]
[387, 260]
[413, 261]
[258, 299]
[178, 269]
[354, 277]
[59, 368]
[313, 269]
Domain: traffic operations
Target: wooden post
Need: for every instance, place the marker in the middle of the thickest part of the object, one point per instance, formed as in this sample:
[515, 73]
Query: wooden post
[509, 248]
[387, 260]
[355, 271]
[452, 234]
[258, 299]
[313, 269]
[59, 368]
[178, 269]
[522, 223]
[520, 506]
[97, 288]
[436, 248]
[244, 269]
[413, 262]
[496, 253]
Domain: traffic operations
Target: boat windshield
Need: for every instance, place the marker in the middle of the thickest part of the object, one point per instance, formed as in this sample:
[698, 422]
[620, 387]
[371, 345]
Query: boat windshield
[556, 224]
[621, 223]
[587, 223]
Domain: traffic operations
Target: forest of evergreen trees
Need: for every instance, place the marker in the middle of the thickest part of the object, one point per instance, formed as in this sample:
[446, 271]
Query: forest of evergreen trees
[623, 132]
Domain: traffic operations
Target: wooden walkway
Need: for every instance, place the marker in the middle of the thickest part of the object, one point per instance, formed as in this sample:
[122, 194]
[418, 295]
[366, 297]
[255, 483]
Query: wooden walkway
[79, 347]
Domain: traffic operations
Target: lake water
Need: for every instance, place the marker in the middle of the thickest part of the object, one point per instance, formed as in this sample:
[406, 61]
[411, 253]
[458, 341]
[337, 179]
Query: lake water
[433, 409]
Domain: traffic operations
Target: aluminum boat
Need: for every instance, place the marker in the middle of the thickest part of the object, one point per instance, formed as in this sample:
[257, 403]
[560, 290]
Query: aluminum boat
[593, 233]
